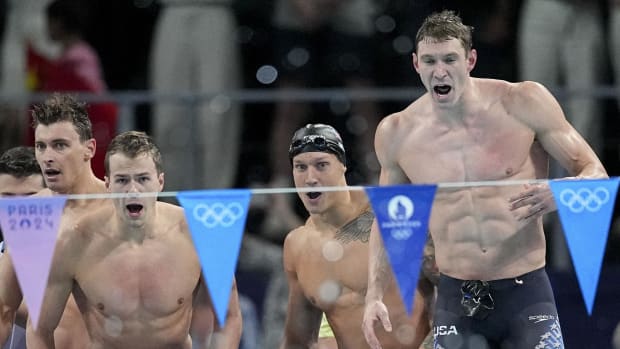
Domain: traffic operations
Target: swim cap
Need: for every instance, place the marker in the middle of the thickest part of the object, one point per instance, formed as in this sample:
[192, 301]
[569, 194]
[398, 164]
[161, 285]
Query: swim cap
[317, 137]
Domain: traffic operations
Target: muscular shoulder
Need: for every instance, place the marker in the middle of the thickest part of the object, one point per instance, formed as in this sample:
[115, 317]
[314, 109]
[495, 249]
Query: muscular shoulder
[404, 121]
[522, 92]
[173, 215]
[387, 133]
[293, 245]
[391, 124]
[77, 234]
[90, 223]
[44, 192]
[533, 105]
[169, 210]
[295, 238]
[393, 137]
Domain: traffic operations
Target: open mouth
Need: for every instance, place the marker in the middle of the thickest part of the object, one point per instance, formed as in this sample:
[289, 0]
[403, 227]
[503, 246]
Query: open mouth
[442, 89]
[134, 209]
[51, 172]
[313, 195]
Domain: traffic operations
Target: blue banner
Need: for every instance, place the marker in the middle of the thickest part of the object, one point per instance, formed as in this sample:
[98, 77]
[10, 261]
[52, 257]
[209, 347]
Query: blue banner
[216, 219]
[402, 214]
[30, 226]
[585, 208]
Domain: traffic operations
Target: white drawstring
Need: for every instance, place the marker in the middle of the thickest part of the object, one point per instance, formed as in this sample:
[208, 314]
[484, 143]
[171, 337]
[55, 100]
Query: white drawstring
[12, 337]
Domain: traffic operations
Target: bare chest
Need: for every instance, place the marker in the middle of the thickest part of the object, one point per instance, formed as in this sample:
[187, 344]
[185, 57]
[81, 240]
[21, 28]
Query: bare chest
[332, 274]
[73, 213]
[153, 279]
[473, 152]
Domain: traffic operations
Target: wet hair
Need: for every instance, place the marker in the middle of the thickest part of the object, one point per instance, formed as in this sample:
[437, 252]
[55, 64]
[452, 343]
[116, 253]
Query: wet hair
[63, 107]
[133, 144]
[317, 137]
[443, 26]
[19, 162]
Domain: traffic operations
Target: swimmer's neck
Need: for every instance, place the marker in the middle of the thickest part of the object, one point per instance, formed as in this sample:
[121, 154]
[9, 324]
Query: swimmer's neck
[136, 231]
[336, 217]
[463, 107]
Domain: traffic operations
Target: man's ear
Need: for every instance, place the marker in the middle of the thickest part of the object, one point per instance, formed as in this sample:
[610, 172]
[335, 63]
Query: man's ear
[415, 61]
[160, 178]
[91, 148]
[472, 58]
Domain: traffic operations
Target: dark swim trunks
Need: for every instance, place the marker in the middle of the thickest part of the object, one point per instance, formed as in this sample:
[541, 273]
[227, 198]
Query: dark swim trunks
[508, 314]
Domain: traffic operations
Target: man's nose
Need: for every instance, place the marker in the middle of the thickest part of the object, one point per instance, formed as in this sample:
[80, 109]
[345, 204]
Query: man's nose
[440, 71]
[133, 188]
[46, 156]
[311, 177]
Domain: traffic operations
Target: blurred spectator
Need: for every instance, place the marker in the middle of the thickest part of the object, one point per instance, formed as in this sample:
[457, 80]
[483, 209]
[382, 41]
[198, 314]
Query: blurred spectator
[322, 43]
[77, 69]
[195, 51]
[495, 24]
[559, 45]
[24, 24]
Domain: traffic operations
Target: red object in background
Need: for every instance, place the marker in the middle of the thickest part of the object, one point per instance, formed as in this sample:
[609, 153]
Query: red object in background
[77, 70]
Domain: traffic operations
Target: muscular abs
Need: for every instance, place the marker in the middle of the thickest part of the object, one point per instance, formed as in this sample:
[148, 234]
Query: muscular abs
[485, 241]
[473, 226]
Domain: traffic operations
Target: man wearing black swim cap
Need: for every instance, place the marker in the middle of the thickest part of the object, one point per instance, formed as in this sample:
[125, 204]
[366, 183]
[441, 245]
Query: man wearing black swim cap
[326, 259]
[317, 137]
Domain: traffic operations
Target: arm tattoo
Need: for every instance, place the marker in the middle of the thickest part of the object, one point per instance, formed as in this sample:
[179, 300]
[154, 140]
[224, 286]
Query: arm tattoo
[357, 229]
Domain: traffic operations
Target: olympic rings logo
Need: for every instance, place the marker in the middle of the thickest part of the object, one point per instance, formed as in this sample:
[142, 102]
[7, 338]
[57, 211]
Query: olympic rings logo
[584, 199]
[401, 234]
[218, 214]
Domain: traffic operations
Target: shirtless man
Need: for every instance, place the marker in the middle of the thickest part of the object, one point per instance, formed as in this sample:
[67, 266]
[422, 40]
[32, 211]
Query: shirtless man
[490, 245]
[64, 146]
[131, 266]
[20, 175]
[323, 258]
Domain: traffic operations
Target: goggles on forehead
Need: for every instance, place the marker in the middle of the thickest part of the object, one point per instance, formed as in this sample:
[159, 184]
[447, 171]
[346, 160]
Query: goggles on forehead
[316, 143]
